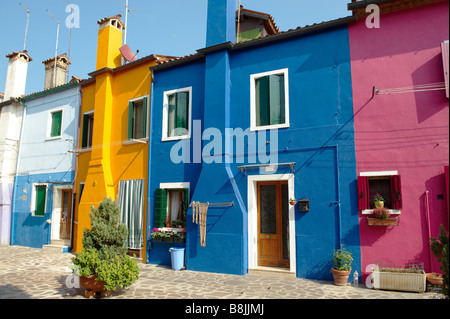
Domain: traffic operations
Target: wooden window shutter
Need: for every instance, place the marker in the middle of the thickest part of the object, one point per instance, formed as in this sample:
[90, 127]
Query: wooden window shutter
[396, 190]
[144, 117]
[186, 202]
[40, 200]
[445, 57]
[160, 207]
[277, 99]
[130, 120]
[84, 140]
[363, 193]
[56, 124]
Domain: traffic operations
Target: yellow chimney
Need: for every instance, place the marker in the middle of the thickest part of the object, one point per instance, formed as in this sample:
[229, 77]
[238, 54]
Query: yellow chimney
[110, 40]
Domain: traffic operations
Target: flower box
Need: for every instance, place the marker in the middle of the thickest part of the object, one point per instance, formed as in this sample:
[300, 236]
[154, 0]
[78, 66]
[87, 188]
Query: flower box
[382, 222]
[399, 281]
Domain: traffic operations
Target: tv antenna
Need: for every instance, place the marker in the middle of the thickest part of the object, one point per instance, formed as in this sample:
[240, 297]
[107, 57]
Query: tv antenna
[26, 27]
[127, 10]
[56, 51]
[70, 40]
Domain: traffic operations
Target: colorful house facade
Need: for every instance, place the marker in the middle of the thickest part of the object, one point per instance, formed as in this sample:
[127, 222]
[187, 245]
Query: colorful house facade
[113, 140]
[11, 114]
[244, 127]
[43, 186]
[401, 111]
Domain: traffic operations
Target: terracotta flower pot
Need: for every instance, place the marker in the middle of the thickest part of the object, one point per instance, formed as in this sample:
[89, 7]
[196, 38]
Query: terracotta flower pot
[90, 283]
[340, 277]
[434, 279]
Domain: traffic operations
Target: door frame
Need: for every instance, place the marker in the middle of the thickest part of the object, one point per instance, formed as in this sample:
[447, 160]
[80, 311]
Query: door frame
[252, 183]
[56, 212]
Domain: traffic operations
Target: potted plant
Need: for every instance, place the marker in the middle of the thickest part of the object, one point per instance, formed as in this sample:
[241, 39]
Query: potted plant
[410, 278]
[103, 264]
[292, 201]
[378, 200]
[439, 247]
[381, 217]
[342, 261]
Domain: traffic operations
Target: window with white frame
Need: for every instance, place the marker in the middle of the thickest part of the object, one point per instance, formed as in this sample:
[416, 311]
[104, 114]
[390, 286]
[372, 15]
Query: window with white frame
[137, 118]
[38, 200]
[88, 130]
[54, 128]
[269, 100]
[177, 114]
[387, 184]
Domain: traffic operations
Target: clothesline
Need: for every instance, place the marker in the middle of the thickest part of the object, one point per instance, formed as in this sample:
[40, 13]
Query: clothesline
[411, 89]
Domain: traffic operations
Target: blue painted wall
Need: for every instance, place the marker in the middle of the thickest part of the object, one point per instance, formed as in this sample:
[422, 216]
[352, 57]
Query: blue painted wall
[320, 140]
[28, 230]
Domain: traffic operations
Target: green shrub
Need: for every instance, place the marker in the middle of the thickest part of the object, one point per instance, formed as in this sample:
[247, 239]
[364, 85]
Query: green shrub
[439, 247]
[342, 259]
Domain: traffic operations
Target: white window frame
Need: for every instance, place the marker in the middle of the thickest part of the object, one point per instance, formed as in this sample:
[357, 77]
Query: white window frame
[50, 122]
[166, 115]
[253, 79]
[376, 174]
[146, 138]
[87, 148]
[33, 198]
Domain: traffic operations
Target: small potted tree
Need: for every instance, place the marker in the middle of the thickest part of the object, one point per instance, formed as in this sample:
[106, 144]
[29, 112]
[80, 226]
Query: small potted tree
[342, 261]
[103, 264]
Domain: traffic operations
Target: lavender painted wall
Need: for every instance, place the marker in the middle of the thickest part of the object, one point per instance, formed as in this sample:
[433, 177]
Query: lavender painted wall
[408, 132]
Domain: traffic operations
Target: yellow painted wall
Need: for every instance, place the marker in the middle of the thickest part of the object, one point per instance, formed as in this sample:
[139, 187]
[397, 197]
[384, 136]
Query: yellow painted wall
[111, 159]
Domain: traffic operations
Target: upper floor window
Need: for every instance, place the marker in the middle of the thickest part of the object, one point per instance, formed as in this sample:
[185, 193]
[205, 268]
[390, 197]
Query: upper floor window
[269, 100]
[88, 130]
[55, 127]
[137, 118]
[177, 113]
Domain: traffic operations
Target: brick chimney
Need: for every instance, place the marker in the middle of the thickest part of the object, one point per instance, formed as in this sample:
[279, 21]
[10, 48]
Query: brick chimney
[17, 74]
[62, 62]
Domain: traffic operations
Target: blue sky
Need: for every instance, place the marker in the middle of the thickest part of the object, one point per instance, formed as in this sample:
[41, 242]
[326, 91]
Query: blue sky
[168, 27]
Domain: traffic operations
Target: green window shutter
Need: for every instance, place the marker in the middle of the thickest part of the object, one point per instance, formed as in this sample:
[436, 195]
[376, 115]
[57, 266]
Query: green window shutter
[84, 140]
[40, 200]
[130, 120]
[160, 207]
[171, 125]
[277, 99]
[262, 101]
[56, 124]
[182, 114]
[144, 117]
[186, 202]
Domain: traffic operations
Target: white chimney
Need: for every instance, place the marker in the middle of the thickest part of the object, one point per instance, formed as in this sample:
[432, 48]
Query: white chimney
[16, 77]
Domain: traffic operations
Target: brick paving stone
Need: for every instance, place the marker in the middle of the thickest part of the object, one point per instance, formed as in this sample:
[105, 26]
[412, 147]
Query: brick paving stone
[27, 273]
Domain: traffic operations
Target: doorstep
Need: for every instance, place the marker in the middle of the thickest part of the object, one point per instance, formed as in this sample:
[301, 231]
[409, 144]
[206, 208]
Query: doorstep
[271, 271]
[58, 246]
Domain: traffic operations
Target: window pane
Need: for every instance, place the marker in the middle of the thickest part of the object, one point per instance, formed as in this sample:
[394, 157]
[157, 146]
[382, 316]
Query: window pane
[90, 133]
[56, 124]
[182, 117]
[138, 131]
[262, 101]
[268, 209]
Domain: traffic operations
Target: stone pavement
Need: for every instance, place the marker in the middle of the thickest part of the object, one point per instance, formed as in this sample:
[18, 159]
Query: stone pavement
[27, 273]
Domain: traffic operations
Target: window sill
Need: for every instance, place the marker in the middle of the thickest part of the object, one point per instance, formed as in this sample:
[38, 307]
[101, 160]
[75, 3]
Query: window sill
[175, 138]
[53, 138]
[136, 141]
[85, 150]
[391, 211]
[269, 127]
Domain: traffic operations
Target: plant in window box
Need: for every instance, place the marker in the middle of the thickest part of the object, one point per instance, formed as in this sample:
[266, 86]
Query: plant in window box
[378, 200]
[381, 217]
[177, 223]
[179, 237]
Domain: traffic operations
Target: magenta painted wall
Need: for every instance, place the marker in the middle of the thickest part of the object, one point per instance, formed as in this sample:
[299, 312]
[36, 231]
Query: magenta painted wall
[409, 132]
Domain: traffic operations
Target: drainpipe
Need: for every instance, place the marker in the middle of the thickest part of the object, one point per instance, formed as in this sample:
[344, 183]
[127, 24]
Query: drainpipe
[150, 131]
[19, 148]
[427, 210]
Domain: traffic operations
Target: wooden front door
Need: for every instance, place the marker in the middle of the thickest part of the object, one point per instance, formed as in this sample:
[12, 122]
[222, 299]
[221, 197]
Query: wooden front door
[66, 215]
[273, 224]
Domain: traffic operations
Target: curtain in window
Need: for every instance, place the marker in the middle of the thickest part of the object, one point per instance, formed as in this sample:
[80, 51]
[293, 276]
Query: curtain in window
[131, 202]
[270, 100]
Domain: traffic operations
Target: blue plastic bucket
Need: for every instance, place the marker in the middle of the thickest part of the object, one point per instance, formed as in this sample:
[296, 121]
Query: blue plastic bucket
[177, 257]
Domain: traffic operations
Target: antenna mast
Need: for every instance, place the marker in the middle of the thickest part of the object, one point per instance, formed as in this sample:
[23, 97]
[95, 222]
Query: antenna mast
[56, 51]
[239, 23]
[26, 27]
[126, 22]
[70, 40]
